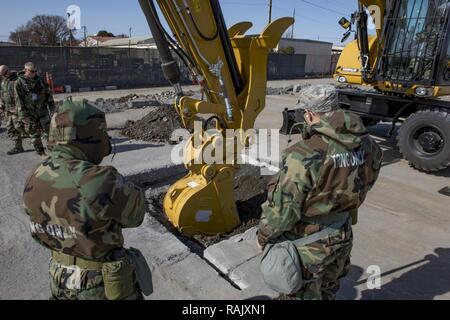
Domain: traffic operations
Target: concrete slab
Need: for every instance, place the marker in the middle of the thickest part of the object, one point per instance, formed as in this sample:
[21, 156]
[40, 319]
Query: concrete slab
[177, 272]
[239, 259]
[197, 281]
[230, 254]
[143, 161]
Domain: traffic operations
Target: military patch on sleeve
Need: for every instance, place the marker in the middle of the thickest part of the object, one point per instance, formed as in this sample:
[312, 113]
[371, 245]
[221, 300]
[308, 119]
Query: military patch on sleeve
[349, 159]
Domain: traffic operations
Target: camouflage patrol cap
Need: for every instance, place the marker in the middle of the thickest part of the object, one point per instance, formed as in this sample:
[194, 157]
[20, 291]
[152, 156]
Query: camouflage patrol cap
[81, 125]
[3, 70]
[319, 98]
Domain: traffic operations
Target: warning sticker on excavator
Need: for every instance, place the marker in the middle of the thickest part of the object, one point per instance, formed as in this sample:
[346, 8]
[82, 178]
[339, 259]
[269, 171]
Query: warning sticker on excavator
[203, 216]
[350, 70]
[193, 184]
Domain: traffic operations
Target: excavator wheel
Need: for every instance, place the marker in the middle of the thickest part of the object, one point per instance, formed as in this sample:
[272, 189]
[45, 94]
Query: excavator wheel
[424, 139]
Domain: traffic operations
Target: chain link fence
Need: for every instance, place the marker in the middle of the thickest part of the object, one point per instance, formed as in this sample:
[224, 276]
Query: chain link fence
[95, 68]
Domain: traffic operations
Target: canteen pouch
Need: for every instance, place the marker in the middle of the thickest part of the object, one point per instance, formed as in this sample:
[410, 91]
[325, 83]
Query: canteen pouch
[281, 268]
[143, 272]
[119, 279]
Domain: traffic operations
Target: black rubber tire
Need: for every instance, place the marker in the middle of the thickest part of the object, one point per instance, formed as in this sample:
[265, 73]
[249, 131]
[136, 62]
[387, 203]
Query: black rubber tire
[439, 119]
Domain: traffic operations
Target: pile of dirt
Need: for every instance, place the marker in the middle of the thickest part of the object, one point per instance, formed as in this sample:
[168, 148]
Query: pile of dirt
[157, 126]
[250, 190]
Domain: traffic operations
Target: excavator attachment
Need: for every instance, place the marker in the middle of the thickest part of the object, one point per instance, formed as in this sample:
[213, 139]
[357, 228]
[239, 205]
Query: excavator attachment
[232, 71]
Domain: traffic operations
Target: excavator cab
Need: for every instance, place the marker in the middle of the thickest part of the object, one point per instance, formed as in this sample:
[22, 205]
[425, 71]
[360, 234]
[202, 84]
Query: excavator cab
[409, 52]
[406, 64]
[416, 39]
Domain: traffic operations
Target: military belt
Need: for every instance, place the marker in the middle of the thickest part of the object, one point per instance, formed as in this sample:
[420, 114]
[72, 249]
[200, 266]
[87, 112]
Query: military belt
[67, 260]
[334, 223]
[328, 219]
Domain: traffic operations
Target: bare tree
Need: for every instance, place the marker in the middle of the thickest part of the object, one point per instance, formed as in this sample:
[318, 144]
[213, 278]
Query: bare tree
[42, 30]
[22, 36]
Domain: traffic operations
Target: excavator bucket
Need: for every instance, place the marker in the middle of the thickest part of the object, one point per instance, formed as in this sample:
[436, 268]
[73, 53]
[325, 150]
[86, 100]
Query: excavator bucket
[196, 205]
[203, 202]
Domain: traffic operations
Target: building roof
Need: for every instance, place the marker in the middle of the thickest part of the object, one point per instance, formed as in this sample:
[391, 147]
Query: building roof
[338, 48]
[306, 40]
[7, 44]
[101, 39]
[128, 41]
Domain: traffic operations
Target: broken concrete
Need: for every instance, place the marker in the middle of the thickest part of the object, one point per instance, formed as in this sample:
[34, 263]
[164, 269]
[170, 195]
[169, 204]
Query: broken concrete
[143, 103]
[132, 101]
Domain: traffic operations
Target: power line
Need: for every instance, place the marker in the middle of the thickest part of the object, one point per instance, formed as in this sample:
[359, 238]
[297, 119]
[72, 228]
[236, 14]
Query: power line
[254, 5]
[276, 7]
[324, 8]
[293, 25]
[270, 11]
[284, 9]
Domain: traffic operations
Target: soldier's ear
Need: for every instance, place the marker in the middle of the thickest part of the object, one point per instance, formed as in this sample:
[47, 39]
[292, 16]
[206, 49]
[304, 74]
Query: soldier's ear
[307, 116]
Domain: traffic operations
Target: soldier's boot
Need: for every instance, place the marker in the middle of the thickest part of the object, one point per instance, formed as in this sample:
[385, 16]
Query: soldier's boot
[39, 147]
[18, 148]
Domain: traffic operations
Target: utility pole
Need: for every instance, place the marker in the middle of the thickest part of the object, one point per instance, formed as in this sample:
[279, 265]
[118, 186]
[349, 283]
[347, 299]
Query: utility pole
[270, 11]
[85, 35]
[129, 42]
[293, 26]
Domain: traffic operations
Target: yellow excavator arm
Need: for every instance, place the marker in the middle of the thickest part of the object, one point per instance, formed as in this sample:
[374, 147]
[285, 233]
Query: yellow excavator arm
[231, 69]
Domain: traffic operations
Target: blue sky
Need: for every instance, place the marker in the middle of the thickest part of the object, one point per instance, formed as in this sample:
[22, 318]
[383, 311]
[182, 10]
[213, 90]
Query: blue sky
[312, 22]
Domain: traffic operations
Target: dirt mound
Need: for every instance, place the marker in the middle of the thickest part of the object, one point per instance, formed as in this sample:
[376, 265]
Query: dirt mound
[157, 126]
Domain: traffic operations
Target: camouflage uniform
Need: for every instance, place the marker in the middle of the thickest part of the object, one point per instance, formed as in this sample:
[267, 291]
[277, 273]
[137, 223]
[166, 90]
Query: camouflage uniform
[78, 209]
[327, 173]
[8, 105]
[34, 104]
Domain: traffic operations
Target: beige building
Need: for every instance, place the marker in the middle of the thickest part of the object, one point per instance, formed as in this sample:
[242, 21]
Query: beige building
[134, 43]
[94, 41]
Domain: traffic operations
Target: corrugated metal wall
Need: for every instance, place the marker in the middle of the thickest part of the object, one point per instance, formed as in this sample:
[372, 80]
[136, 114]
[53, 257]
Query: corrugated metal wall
[318, 54]
[124, 68]
[318, 64]
[286, 66]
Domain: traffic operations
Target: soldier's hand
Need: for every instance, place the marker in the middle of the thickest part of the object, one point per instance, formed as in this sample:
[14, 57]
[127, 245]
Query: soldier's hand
[20, 126]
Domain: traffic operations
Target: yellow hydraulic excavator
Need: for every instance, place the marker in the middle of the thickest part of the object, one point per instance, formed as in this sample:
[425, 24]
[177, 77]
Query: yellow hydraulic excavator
[231, 69]
[406, 63]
